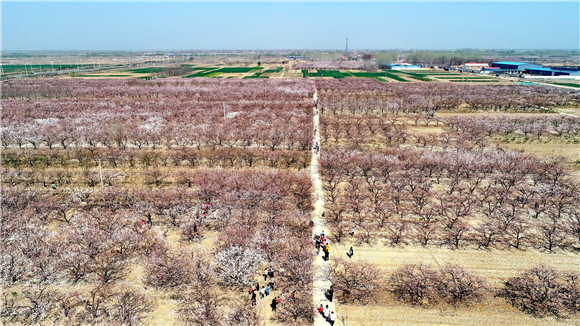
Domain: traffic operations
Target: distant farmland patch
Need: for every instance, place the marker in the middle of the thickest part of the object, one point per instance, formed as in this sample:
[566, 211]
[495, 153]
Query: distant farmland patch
[210, 71]
[271, 71]
[325, 73]
[145, 70]
[568, 84]
[337, 74]
[256, 75]
[103, 76]
[468, 77]
[42, 67]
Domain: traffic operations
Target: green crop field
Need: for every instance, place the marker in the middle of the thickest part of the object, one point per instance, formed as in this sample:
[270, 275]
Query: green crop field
[384, 73]
[337, 74]
[214, 74]
[189, 66]
[233, 70]
[567, 84]
[201, 73]
[277, 70]
[417, 76]
[325, 73]
[43, 67]
[256, 75]
[211, 71]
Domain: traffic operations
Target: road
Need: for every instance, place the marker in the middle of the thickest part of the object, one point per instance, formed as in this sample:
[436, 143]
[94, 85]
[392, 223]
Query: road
[321, 284]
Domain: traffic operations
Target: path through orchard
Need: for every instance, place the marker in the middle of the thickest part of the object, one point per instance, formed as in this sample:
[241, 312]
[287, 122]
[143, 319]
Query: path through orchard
[321, 284]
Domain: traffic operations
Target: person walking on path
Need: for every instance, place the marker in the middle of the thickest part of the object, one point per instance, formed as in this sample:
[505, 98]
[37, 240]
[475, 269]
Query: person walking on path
[326, 251]
[274, 303]
[350, 253]
[331, 293]
[267, 290]
[321, 310]
[265, 274]
[253, 297]
[262, 293]
[331, 318]
[271, 272]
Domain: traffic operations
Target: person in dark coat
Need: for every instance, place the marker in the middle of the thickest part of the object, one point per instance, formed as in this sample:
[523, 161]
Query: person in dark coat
[330, 293]
[274, 303]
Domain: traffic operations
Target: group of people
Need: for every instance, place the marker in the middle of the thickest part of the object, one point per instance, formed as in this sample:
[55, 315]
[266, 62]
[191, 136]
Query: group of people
[320, 241]
[269, 272]
[327, 314]
[264, 291]
[316, 148]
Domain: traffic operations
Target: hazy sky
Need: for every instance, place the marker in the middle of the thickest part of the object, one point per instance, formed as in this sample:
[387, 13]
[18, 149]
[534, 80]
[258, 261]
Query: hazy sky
[296, 25]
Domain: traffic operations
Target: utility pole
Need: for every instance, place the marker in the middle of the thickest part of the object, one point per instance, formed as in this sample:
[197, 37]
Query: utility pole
[346, 49]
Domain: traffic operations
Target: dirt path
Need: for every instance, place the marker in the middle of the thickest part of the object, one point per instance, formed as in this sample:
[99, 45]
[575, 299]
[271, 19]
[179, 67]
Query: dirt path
[320, 284]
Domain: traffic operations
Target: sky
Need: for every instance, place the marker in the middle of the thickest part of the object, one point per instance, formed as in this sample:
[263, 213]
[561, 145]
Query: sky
[134, 26]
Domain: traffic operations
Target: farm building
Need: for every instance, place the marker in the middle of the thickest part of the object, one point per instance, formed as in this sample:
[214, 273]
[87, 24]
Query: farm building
[514, 67]
[412, 67]
[474, 66]
[492, 70]
[551, 72]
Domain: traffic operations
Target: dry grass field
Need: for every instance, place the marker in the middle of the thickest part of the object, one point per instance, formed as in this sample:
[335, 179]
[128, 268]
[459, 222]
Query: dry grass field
[495, 265]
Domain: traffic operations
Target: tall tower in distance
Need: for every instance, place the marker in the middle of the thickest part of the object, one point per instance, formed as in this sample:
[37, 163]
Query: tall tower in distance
[346, 49]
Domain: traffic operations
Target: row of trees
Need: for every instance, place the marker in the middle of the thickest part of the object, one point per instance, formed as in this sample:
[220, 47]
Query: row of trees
[540, 291]
[479, 127]
[483, 199]
[131, 158]
[371, 97]
[209, 89]
[67, 254]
